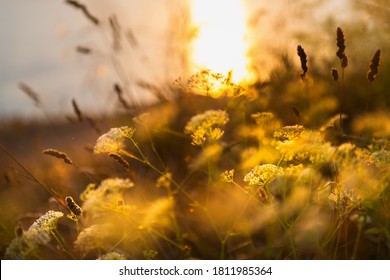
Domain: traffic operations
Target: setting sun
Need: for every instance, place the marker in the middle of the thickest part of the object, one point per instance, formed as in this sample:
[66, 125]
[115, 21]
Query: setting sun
[220, 43]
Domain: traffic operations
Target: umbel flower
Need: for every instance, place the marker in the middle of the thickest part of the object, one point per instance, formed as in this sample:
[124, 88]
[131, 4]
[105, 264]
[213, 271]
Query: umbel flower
[289, 132]
[227, 176]
[207, 124]
[263, 174]
[99, 200]
[39, 234]
[114, 140]
[47, 221]
[112, 256]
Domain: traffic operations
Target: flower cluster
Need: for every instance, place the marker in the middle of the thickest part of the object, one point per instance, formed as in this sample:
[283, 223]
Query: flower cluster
[107, 196]
[150, 254]
[227, 176]
[207, 82]
[114, 140]
[263, 174]
[303, 147]
[207, 125]
[39, 233]
[342, 197]
[289, 132]
[112, 256]
[164, 181]
[94, 237]
[293, 170]
[262, 117]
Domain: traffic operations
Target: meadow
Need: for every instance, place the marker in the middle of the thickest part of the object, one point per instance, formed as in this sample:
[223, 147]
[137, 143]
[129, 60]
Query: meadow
[292, 167]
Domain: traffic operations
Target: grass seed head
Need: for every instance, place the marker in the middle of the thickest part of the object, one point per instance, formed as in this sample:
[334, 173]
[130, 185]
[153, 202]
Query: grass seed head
[119, 159]
[340, 42]
[73, 207]
[303, 57]
[335, 74]
[77, 110]
[30, 93]
[58, 154]
[374, 66]
[114, 140]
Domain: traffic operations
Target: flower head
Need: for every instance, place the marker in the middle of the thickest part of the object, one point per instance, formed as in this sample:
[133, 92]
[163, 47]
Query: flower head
[289, 132]
[114, 140]
[263, 117]
[39, 234]
[263, 174]
[164, 181]
[47, 221]
[112, 256]
[205, 125]
[227, 176]
[97, 200]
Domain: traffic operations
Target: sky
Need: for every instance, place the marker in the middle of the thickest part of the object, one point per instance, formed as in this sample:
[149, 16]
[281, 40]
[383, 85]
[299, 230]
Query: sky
[38, 41]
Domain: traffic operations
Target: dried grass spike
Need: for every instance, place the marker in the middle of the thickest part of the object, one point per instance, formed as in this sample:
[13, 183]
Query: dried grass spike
[84, 9]
[77, 110]
[335, 74]
[303, 57]
[116, 32]
[73, 207]
[296, 111]
[344, 61]
[83, 50]
[119, 159]
[131, 38]
[30, 93]
[58, 154]
[340, 42]
[374, 66]
[119, 93]
[93, 124]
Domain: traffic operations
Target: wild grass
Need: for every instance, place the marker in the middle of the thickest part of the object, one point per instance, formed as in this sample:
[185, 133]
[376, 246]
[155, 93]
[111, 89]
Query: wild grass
[218, 170]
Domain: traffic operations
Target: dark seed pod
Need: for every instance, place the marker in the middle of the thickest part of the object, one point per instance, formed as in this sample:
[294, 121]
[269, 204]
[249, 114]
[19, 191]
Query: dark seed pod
[58, 154]
[335, 74]
[119, 159]
[303, 57]
[340, 42]
[374, 66]
[72, 205]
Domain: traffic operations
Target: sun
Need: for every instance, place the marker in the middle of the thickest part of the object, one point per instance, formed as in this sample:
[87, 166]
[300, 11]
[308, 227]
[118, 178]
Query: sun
[220, 44]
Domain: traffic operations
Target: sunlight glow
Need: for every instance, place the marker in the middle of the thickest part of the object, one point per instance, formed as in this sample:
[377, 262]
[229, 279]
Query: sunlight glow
[220, 43]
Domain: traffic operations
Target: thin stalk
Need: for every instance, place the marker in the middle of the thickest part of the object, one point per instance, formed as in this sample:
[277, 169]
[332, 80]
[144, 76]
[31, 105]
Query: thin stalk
[357, 242]
[337, 241]
[174, 218]
[46, 188]
[61, 242]
[153, 146]
[368, 99]
[341, 89]
[84, 173]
